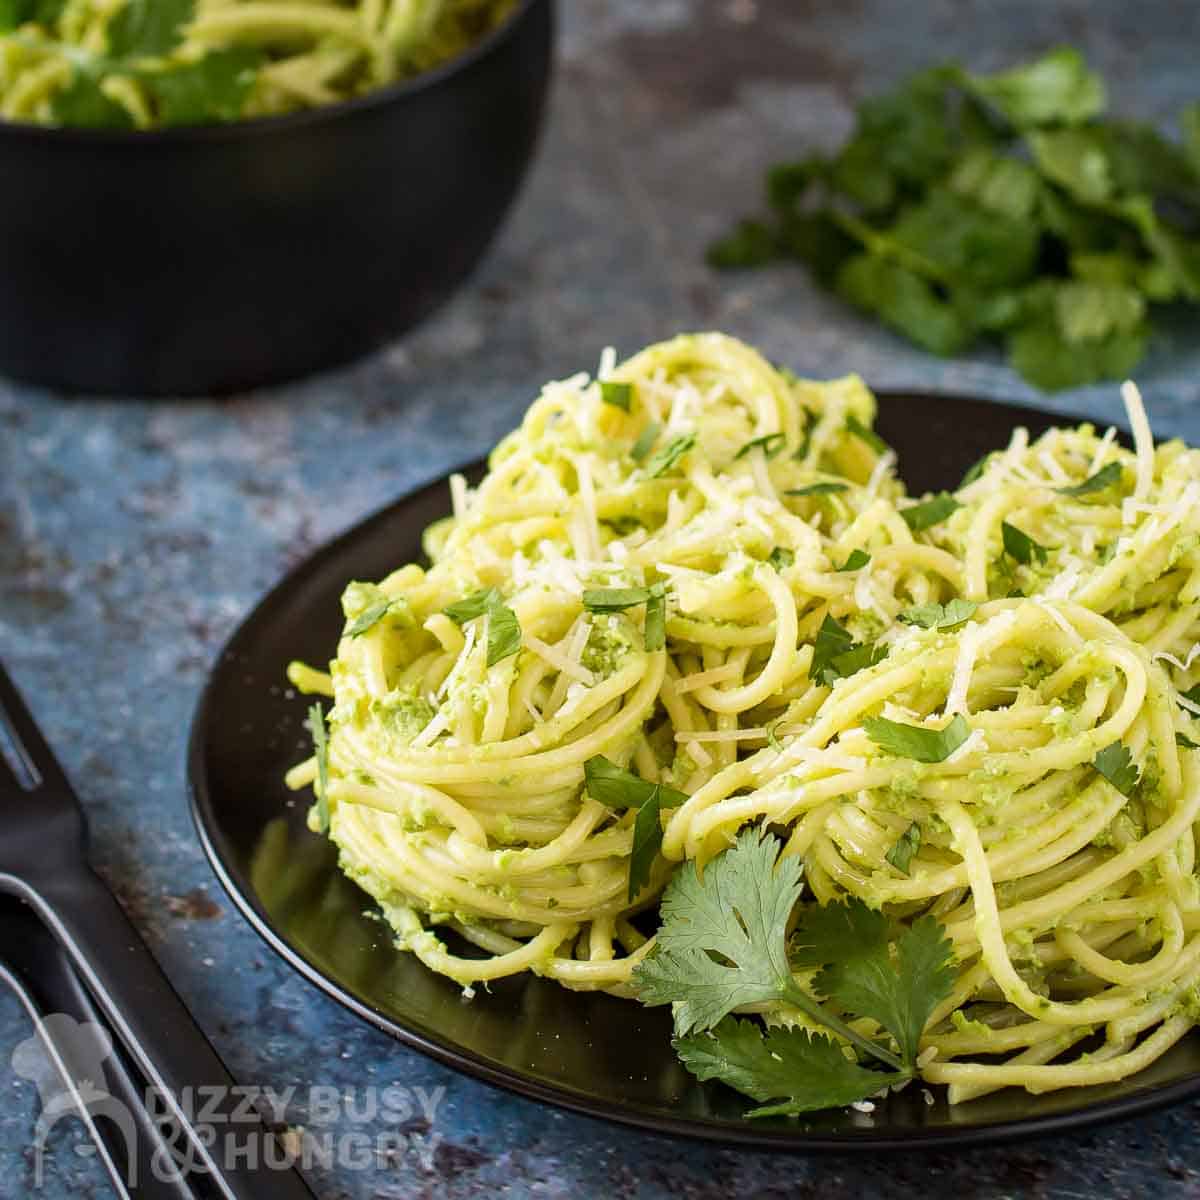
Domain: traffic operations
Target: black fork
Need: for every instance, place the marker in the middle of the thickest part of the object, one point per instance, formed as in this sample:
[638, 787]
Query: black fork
[43, 862]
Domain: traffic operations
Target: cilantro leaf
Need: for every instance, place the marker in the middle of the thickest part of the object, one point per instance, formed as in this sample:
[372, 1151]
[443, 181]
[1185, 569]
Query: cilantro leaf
[832, 639]
[610, 600]
[373, 614]
[856, 659]
[617, 788]
[1046, 358]
[15, 13]
[907, 844]
[739, 911]
[619, 395]
[645, 441]
[723, 941]
[647, 842]
[855, 562]
[915, 741]
[939, 616]
[1057, 89]
[931, 512]
[503, 633]
[851, 942]
[670, 454]
[1116, 764]
[212, 89]
[1102, 480]
[818, 489]
[860, 431]
[976, 470]
[148, 28]
[83, 105]
[781, 557]
[1185, 743]
[905, 302]
[316, 727]
[770, 444]
[1020, 545]
[473, 606]
[808, 1070]
[503, 628]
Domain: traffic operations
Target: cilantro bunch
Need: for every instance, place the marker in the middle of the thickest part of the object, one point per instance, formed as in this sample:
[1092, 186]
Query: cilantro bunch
[725, 944]
[999, 205]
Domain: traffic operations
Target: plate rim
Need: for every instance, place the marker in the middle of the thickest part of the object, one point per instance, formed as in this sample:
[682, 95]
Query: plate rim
[884, 1140]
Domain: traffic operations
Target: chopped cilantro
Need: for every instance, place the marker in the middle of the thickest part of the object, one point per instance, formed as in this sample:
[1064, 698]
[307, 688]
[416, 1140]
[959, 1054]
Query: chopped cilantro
[860, 431]
[781, 557]
[666, 458]
[610, 600]
[1103, 479]
[817, 489]
[908, 843]
[940, 616]
[1020, 545]
[1116, 764]
[503, 628]
[931, 512]
[915, 741]
[770, 444]
[856, 561]
[619, 395]
[615, 787]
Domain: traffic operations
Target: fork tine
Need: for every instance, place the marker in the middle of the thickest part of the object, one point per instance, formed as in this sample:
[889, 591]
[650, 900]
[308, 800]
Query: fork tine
[29, 747]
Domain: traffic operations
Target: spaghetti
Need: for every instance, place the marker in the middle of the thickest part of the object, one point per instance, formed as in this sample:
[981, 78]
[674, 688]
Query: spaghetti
[705, 569]
[125, 63]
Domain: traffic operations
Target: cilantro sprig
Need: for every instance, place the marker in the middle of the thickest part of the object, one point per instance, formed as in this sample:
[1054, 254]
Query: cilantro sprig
[617, 788]
[1005, 206]
[723, 944]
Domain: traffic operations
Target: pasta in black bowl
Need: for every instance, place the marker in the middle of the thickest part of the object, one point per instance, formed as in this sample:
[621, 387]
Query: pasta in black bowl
[217, 257]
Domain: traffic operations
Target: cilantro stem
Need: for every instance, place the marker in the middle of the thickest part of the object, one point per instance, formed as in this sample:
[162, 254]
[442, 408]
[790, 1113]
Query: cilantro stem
[794, 994]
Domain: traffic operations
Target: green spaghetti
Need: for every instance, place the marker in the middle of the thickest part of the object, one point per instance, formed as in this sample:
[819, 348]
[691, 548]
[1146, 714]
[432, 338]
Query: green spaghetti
[143, 64]
[691, 599]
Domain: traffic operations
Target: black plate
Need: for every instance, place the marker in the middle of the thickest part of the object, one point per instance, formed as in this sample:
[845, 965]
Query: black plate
[594, 1053]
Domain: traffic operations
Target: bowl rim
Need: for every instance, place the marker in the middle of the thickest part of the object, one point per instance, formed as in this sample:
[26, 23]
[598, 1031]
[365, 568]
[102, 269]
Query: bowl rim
[255, 127]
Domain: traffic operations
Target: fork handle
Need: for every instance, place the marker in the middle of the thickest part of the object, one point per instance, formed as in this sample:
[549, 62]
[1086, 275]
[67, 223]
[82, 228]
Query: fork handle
[36, 967]
[157, 1030]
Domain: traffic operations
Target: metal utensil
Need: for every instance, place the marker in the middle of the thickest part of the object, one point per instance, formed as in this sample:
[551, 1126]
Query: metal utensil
[42, 861]
[37, 969]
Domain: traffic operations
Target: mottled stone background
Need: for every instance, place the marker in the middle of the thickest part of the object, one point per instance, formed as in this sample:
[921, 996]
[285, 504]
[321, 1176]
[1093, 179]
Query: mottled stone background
[134, 536]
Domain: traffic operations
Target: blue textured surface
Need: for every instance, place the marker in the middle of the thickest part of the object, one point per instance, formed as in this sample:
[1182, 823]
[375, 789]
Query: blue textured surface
[133, 537]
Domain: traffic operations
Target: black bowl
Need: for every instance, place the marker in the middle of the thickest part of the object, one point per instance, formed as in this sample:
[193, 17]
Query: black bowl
[192, 261]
